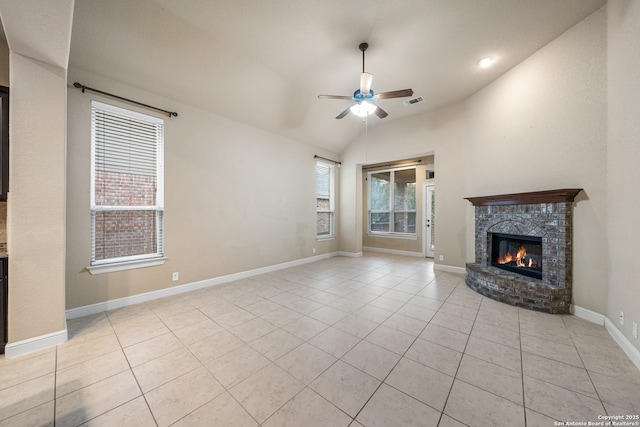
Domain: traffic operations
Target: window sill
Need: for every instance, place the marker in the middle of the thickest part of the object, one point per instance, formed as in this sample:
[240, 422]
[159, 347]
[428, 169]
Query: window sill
[322, 238]
[394, 236]
[125, 265]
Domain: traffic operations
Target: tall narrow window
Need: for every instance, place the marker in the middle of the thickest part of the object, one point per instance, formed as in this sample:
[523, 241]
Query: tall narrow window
[127, 197]
[392, 201]
[325, 177]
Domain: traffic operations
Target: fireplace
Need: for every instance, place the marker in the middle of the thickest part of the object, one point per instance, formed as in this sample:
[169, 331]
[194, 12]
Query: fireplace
[519, 254]
[524, 251]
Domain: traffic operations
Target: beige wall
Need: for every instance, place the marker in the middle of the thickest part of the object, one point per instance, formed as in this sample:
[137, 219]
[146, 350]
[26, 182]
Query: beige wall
[542, 126]
[623, 158]
[236, 198]
[4, 61]
[36, 207]
[399, 244]
[439, 133]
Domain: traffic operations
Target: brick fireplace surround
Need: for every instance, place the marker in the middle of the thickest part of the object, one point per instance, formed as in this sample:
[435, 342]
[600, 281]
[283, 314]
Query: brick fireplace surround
[545, 214]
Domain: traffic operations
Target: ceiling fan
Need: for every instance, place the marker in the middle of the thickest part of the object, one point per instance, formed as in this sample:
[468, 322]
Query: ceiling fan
[365, 98]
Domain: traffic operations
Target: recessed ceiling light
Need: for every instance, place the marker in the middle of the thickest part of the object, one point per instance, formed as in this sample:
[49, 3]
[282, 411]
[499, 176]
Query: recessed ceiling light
[486, 62]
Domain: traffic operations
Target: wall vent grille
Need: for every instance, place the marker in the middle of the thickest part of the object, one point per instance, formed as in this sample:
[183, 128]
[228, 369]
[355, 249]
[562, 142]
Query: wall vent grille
[413, 101]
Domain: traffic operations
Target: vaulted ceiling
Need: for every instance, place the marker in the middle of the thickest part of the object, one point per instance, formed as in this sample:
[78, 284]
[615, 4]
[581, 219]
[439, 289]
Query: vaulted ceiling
[263, 62]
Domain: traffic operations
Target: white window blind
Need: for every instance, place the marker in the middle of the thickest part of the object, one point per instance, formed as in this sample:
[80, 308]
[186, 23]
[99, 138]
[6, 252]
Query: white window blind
[127, 187]
[325, 199]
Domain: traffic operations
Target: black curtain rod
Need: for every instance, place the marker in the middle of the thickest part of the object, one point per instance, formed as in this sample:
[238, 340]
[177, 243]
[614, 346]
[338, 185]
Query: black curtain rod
[324, 158]
[83, 87]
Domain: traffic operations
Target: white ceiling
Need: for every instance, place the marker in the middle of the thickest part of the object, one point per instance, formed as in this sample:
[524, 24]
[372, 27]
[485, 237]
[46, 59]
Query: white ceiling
[263, 62]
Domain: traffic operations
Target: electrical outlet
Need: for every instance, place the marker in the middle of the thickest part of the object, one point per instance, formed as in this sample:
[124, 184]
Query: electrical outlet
[441, 258]
[635, 330]
[314, 250]
[175, 276]
[621, 318]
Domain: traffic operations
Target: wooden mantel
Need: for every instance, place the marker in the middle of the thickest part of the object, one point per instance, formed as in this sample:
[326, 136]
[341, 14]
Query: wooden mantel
[535, 197]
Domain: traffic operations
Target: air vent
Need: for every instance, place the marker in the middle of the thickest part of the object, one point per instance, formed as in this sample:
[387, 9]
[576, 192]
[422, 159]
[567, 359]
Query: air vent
[413, 101]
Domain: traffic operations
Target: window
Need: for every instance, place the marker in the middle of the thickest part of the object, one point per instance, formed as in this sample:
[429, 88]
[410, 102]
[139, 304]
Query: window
[392, 201]
[325, 177]
[127, 202]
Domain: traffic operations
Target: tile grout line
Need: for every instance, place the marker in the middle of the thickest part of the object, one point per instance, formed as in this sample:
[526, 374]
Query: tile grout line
[132, 373]
[225, 329]
[463, 353]
[524, 407]
[55, 386]
[361, 340]
[271, 362]
[586, 370]
[403, 355]
[569, 365]
[306, 386]
[338, 359]
[203, 366]
[110, 376]
[226, 390]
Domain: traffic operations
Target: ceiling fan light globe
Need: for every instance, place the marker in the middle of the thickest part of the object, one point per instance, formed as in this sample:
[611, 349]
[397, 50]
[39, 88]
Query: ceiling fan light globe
[365, 82]
[363, 109]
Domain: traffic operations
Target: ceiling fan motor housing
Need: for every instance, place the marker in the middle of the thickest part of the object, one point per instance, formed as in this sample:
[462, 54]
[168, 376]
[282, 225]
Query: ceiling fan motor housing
[358, 96]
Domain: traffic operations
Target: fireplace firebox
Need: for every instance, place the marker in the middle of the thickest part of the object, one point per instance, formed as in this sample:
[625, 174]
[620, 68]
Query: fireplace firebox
[519, 254]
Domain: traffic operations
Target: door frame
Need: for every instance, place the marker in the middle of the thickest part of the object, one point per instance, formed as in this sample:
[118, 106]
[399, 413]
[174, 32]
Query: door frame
[427, 220]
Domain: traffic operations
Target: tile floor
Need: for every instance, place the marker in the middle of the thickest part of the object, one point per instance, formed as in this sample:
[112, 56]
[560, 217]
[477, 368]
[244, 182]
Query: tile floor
[374, 341]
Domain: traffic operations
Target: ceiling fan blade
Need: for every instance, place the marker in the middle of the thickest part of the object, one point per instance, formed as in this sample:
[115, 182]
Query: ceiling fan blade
[334, 97]
[344, 113]
[381, 113]
[395, 94]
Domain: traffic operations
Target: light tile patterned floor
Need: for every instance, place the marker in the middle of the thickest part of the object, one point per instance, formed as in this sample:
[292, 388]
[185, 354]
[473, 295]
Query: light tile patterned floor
[380, 340]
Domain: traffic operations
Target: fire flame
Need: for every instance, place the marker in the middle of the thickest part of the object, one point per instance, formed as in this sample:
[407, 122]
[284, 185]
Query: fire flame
[506, 259]
[519, 256]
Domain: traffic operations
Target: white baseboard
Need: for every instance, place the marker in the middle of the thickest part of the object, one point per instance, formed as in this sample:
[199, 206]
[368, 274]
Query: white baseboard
[449, 268]
[176, 290]
[349, 254]
[623, 342]
[589, 315]
[392, 251]
[20, 348]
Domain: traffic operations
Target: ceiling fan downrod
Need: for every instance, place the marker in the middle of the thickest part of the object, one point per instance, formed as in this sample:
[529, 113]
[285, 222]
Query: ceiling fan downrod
[363, 47]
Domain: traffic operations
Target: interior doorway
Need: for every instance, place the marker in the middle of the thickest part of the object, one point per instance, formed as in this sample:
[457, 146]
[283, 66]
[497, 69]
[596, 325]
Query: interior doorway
[429, 215]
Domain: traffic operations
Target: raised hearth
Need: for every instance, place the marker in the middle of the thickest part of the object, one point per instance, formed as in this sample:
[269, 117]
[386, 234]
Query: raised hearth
[524, 250]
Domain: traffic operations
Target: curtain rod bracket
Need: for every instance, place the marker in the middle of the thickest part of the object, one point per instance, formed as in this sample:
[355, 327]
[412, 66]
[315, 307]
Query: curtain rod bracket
[83, 88]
